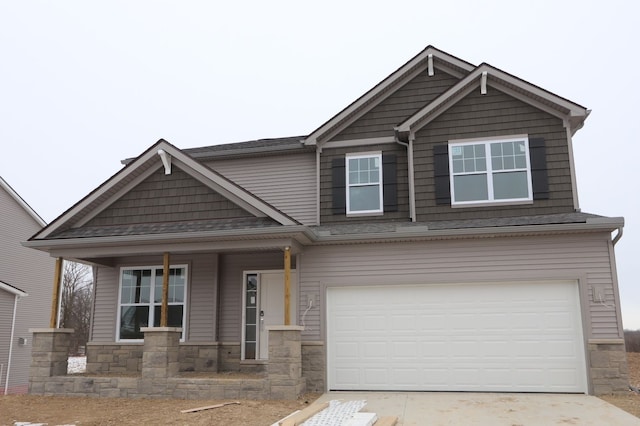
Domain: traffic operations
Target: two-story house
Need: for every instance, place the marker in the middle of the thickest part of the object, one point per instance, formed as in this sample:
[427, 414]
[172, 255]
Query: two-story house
[428, 237]
[25, 289]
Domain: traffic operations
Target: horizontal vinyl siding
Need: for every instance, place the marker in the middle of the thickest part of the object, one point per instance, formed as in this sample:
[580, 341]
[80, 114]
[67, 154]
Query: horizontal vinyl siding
[287, 182]
[203, 295]
[105, 305]
[492, 115]
[326, 204]
[465, 261]
[399, 106]
[232, 267]
[31, 271]
[168, 198]
[201, 291]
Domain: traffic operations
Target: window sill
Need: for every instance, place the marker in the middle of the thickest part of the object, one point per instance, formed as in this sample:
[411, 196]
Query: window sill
[365, 214]
[492, 204]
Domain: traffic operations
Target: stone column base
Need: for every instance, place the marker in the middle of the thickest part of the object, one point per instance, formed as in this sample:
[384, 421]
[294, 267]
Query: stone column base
[160, 352]
[284, 370]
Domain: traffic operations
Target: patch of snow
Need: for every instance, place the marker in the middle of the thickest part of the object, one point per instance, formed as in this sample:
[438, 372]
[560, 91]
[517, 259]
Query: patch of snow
[77, 364]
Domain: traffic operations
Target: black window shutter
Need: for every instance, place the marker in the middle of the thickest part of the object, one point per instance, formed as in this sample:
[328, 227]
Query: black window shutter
[390, 182]
[539, 175]
[338, 186]
[441, 173]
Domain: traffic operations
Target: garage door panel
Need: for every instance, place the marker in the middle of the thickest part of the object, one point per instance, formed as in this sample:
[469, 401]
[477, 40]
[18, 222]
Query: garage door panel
[493, 337]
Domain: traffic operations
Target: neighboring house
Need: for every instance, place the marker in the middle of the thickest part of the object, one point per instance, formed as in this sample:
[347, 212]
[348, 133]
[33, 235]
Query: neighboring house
[25, 289]
[434, 232]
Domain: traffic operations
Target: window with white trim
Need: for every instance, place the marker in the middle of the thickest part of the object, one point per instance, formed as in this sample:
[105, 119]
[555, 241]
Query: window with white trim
[492, 171]
[364, 183]
[140, 299]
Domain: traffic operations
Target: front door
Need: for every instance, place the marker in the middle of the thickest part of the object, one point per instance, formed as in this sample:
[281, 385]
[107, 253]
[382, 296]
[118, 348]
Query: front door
[264, 307]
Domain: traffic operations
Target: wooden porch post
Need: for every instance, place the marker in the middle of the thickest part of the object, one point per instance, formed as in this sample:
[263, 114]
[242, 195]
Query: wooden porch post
[287, 286]
[164, 310]
[57, 277]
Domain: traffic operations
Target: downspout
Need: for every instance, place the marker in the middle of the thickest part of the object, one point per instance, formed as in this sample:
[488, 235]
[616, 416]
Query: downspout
[13, 327]
[318, 152]
[617, 237]
[412, 196]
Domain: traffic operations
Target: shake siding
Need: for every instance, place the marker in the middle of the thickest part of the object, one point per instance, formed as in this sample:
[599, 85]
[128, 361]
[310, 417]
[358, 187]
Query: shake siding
[29, 270]
[327, 156]
[492, 115]
[201, 291]
[400, 105]
[287, 182]
[465, 261]
[168, 198]
[231, 268]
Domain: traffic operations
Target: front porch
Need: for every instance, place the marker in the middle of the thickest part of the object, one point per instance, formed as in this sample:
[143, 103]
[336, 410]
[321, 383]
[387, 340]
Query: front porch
[161, 375]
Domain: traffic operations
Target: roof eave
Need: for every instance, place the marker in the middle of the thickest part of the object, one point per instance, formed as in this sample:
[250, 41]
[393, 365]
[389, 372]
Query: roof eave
[424, 233]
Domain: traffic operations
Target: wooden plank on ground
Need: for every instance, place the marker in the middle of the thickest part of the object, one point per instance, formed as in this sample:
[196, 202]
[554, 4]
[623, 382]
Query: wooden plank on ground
[209, 407]
[305, 414]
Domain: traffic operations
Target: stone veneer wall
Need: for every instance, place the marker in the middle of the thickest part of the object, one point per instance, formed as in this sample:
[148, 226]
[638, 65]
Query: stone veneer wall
[608, 369]
[114, 358]
[314, 363]
[159, 376]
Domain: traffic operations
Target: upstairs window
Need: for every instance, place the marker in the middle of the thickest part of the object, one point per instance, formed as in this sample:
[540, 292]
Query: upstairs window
[492, 171]
[364, 183]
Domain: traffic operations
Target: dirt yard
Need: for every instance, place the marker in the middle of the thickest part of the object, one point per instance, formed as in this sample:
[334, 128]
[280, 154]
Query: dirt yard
[121, 412]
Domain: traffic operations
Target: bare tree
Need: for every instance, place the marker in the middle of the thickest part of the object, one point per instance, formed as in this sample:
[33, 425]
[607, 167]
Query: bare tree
[75, 302]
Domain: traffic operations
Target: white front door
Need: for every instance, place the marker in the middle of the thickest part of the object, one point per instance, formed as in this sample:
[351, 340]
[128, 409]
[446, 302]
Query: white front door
[264, 307]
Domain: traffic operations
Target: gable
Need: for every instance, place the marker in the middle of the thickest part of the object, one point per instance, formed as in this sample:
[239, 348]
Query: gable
[492, 115]
[381, 120]
[168, 198]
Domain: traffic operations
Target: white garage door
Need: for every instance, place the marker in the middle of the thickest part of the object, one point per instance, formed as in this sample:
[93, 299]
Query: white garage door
[508, 337]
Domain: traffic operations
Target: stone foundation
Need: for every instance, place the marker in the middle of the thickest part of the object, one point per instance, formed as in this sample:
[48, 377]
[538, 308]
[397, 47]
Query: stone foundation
[314, 363]
[159, 373]
[608, 366]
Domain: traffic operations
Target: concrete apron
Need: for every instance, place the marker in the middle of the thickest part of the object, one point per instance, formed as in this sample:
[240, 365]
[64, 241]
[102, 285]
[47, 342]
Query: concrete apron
[494, 409]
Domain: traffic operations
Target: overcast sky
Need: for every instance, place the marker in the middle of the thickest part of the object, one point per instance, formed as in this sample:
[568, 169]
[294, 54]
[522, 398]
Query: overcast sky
[85, 84]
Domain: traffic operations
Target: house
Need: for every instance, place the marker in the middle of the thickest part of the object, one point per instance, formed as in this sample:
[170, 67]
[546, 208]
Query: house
[25, 289]
[428, 237]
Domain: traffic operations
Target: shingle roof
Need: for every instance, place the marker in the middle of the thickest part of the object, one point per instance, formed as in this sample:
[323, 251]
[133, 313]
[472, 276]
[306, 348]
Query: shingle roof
[292, 143]
[370, 228]
[168, 227]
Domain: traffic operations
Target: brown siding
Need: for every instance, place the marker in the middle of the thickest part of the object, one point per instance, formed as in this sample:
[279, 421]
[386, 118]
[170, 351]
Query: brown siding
[287, 182]
[576, 257]
[399, 106]
[494, 114]
[231, 269]
[168, 198]
[329, 154]
[29, 270]
[201, 292]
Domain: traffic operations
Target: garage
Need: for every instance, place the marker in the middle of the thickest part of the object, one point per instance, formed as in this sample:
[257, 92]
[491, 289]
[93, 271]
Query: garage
[484, 337]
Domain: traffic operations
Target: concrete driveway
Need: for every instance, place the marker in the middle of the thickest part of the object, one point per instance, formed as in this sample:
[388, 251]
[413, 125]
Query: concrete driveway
[494, 409]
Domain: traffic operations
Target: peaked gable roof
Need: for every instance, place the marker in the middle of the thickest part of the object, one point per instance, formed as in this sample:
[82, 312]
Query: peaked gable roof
[141, 168]
[429, 57]
[505, 82]
[21, 202]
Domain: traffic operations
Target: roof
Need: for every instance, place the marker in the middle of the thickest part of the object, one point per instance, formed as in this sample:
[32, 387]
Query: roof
[12, 289]
[22, 202]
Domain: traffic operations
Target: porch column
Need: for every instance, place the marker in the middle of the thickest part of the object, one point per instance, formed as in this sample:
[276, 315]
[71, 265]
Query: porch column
[49, 355]
[164, 310]
[57, 277]
[287, 286]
